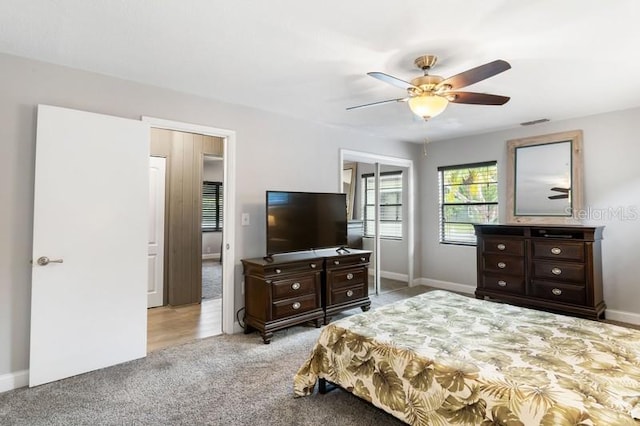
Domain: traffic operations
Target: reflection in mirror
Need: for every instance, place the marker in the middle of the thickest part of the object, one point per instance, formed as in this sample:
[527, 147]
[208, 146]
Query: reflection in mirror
[544, 181]
[348, 186]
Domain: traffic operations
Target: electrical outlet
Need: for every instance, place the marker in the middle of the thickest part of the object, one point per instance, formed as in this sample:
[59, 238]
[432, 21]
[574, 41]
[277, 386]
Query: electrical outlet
[246, 221]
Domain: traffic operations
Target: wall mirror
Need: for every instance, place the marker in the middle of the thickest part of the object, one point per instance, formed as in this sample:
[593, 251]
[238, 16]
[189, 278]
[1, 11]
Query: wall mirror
[544, 180]
[348, 186]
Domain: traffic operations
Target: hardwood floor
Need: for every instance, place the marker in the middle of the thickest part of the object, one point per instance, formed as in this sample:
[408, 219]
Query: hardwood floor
[170, 326]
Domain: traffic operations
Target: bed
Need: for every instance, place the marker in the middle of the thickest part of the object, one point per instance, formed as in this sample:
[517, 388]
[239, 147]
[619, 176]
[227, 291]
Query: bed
[441, 358]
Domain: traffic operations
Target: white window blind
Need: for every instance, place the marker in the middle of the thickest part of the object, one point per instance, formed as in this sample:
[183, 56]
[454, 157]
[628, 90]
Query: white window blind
[390, 204]
[468, 195]
[211, 206]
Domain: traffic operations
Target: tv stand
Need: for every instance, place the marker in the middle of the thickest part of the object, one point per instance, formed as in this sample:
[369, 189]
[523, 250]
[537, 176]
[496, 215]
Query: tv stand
[296, 288]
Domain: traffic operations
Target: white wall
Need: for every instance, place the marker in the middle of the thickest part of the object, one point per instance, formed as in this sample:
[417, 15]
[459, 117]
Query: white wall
[273, 152]
[212, 171]
[611, 181]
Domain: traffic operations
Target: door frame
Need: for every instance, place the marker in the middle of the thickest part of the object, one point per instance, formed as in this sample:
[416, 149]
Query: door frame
[377, 159]
[228, 227]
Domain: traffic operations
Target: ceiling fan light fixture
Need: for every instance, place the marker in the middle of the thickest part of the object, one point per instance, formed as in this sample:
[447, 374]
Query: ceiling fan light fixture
[427, 105]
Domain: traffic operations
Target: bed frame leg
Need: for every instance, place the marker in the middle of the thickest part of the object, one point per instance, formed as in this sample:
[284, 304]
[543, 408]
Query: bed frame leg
[324, 386]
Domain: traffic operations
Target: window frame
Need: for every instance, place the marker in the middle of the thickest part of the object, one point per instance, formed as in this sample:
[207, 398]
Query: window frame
[442, 205]
[364, 177]
[216, 218]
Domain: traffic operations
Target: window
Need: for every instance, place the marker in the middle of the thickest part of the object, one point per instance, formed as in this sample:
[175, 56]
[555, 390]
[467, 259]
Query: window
[468, 195]
[390, 204]
[211, 206]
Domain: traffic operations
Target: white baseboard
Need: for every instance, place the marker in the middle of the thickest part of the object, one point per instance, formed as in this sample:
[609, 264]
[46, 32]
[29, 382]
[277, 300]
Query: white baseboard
[628, 317]
[445, 285]
[391, 275]
[237, 328]
[211, 256]
[12, 381]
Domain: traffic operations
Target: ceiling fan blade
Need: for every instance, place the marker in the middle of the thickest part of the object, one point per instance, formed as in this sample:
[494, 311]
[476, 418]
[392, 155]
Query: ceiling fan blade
[475, 75]
[558, 197]
[378, 103]
[391, 80]
[475, 98]
[566, 190]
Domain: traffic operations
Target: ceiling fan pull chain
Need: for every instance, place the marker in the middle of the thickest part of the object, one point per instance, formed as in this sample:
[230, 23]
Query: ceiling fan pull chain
[426, 139]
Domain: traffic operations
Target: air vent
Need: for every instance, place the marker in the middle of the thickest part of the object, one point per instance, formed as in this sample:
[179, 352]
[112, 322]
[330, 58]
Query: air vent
[532, 122]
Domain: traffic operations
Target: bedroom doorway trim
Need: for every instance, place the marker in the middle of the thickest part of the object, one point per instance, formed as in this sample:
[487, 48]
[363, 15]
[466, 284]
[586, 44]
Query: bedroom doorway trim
[228, 234]
[366, 157]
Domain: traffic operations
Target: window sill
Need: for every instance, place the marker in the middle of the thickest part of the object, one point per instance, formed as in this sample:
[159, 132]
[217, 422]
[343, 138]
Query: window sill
[455, 243]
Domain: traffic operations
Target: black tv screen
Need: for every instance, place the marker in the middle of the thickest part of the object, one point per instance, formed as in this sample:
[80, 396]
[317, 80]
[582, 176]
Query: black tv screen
[299, 221]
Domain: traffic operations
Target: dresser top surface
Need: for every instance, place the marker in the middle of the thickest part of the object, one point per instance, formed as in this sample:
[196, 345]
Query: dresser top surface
[305, 256]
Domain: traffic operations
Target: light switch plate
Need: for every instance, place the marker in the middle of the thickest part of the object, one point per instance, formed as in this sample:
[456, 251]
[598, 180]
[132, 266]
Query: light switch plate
[246, 221]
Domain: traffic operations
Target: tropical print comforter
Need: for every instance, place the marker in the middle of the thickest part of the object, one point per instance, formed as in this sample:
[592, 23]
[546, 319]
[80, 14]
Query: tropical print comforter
[445, 359]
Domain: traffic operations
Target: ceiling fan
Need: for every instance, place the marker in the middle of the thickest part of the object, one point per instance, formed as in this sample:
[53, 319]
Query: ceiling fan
[429, 95]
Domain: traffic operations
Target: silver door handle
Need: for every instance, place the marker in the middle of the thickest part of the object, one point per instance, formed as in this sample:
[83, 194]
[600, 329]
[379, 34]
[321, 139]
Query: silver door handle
[44, 261]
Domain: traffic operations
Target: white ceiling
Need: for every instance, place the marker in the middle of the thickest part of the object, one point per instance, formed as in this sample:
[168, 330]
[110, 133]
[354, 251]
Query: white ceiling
[307, 59]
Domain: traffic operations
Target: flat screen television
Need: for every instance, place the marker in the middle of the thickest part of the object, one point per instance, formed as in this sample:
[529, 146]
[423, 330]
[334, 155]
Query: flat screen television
[298, 221]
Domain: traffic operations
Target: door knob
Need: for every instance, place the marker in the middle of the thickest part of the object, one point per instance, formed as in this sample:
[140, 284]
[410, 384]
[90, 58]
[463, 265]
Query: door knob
[44, 261]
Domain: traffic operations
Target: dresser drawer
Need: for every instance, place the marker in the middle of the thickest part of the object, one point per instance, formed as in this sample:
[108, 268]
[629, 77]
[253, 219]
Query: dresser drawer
[347, 260]
[563, 250]
[347, 277]
[565, 293]
[348, 294]
[505, 283]
[274, 271]
[294, 306]
[295, 286]
[510, 265]
[561, 271]
[504, 245]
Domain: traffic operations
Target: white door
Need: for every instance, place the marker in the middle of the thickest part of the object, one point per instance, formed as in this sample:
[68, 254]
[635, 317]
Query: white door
[88, 304]
[155, 289]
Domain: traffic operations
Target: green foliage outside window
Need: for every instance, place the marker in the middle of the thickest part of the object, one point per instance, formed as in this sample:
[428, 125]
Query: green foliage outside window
[468, 195]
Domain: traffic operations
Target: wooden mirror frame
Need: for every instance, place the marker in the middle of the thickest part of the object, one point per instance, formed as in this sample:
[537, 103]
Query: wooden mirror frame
[575, 137]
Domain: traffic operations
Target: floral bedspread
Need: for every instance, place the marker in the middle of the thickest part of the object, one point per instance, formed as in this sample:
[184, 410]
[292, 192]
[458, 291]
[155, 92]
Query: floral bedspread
[444, 359]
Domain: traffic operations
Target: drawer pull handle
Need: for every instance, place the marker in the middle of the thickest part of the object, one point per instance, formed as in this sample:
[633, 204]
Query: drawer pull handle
[296, 305]
[313, 266]
[336, 262]
[278, 271]
[556, 291]
[556, 271]
[501, 246]
[363, 259]
[295, 286]
[502, 265]
[349, 293]
[502, 283]
[556, 250]
[349, 276]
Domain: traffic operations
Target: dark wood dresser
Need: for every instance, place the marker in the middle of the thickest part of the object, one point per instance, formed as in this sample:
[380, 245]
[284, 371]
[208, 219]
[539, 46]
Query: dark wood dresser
[555, 268]
[295, 288]
[346, 283]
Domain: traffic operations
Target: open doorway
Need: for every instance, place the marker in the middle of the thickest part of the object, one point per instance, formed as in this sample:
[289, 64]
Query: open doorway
[212, 224]
[199, 296]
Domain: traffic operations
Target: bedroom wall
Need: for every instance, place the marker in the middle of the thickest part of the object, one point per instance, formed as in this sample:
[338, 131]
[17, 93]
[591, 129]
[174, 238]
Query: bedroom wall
[611, 198]
[273, 152]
